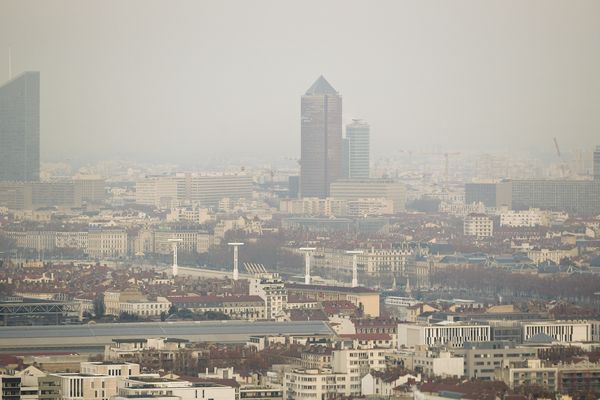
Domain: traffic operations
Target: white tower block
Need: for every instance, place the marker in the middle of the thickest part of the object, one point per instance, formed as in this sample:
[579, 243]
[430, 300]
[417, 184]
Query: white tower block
[307, 255]
[354, 253]
[175, 266]
[236, 273]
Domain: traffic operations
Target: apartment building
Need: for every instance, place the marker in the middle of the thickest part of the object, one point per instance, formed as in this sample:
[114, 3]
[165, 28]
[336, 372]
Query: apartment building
[482, 358]
[364, 298]
[250, 308]
[145, 308]
[110, 243]
[110, 368]
[272, 290]
[529, 373]
[311, 384]
[478, 225]
[151, 386]
[79, 386]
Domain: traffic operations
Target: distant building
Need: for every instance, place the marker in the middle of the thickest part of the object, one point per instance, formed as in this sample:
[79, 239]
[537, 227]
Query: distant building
[597, 164]
[354, 189]
[478, 225]
[206, 190]
[80, 386]
[358, 137]
[321, 139]
[448, 334]
[579, 197]
[20, 128]
[293, 187]
[271, 289]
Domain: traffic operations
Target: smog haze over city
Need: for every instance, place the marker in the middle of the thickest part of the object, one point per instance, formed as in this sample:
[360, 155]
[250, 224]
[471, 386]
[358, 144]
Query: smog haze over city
[147, 81]
[299, 200]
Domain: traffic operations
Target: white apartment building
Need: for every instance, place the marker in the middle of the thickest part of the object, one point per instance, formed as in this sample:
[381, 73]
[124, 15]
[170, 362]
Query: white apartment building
[375, 261]
[128, 348]
[358, 362]
[193, 213]
[561, 331]
[145, 308]
[311, 384]
[438, 363]
[555, 255]
[107, 243]
[110, 368]
[381, 384]
[478, 225]
[271, 289]
[451, 334]
[524, 218]
[73, 240]
[80, 386]
[153, 385]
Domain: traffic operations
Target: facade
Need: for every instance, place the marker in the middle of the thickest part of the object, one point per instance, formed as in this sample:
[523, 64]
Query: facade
[189, 188]
[478, 225]
[597, 164]
[20, 128]
[145, 308]
[271, 289]
[10, 387]
[358, 137]
[579, 197]
[310, 384]
[448, 334]
[150, 386]
[79, 386]
[527, 373]
[107, 243]
[481, 359]
[250, 308]
[560, 331]
[49, 387]
[321, 139]
[89, 189]
[364, 298]
[353, 189]
[437, 363]
[110, 368]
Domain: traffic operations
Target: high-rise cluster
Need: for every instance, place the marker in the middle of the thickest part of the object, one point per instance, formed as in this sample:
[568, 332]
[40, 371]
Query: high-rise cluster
[325, 155]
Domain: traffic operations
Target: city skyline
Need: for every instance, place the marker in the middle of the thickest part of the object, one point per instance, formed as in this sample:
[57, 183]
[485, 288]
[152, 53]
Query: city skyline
[474, 88]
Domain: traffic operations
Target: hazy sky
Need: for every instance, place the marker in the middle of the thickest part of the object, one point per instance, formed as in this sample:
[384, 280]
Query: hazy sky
[179, 80]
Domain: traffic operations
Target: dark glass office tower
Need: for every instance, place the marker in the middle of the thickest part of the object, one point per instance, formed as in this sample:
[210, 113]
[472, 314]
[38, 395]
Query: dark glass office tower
[321, 137]
[20, 128]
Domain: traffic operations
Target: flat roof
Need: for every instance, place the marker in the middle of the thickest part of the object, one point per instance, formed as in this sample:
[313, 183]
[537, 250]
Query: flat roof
[102, 334]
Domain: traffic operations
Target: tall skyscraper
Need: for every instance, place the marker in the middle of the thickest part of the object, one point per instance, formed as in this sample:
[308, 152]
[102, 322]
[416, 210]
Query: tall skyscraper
[321, 137]
[597, 164]
[345, 158]
[358, 136]
[20, 128]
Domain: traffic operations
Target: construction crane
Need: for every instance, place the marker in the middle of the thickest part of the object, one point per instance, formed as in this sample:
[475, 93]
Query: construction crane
[563, 165]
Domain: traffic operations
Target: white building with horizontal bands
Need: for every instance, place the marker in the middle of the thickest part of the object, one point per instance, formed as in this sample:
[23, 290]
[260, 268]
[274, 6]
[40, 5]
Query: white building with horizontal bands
[451, 334]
